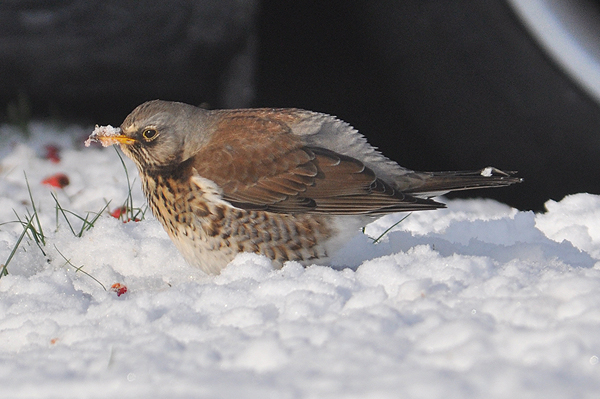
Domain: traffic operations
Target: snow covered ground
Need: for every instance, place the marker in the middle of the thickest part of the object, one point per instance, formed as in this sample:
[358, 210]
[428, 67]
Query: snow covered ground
[474, 301]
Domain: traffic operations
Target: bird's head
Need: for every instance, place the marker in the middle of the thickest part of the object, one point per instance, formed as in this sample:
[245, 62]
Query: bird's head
[158, 134]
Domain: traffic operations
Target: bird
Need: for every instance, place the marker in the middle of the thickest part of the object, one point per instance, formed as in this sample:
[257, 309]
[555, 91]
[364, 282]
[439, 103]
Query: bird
[287, 183]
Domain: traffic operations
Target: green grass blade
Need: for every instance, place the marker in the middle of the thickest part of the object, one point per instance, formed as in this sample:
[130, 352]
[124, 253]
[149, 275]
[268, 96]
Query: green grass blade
[62, 211]
[88, 224]
[376, 240]
[35, 213]
[131, 213]
[78, 269]
[4, 271]
[129, 199]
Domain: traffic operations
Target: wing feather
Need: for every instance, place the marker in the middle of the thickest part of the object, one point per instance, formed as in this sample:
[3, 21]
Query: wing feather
[260, 164]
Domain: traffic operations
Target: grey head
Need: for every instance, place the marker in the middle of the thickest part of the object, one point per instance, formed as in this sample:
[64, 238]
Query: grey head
[163, 134]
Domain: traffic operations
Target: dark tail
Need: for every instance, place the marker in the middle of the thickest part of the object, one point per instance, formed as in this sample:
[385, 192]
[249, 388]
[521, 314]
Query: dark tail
[438, 183]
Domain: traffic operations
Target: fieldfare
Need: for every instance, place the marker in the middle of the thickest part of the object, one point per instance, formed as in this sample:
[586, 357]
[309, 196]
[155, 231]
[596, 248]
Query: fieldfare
[286, 183]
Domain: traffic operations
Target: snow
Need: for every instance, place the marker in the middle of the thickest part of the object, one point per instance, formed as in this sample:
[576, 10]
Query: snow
[474, 301]
[103, 131]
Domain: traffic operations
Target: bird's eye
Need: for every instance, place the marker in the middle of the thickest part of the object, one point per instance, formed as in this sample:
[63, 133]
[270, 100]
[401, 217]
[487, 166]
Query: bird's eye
[150, 134]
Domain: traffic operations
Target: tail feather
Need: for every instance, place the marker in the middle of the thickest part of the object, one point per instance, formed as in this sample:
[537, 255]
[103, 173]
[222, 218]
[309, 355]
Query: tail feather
[439, 183]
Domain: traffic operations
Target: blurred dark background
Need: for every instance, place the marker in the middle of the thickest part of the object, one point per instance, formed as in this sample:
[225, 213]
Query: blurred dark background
[436, 85]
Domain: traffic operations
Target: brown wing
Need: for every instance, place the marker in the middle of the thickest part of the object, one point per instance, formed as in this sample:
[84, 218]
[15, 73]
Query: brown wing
[260, 164]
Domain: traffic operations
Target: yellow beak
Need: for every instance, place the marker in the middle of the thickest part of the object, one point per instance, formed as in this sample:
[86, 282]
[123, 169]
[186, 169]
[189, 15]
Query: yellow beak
[110, 140]
[108, 135]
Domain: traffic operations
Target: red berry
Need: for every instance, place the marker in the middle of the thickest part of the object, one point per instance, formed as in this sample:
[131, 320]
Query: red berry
[59, 180]
[118, 212]
[119, 288]
[52, 153]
